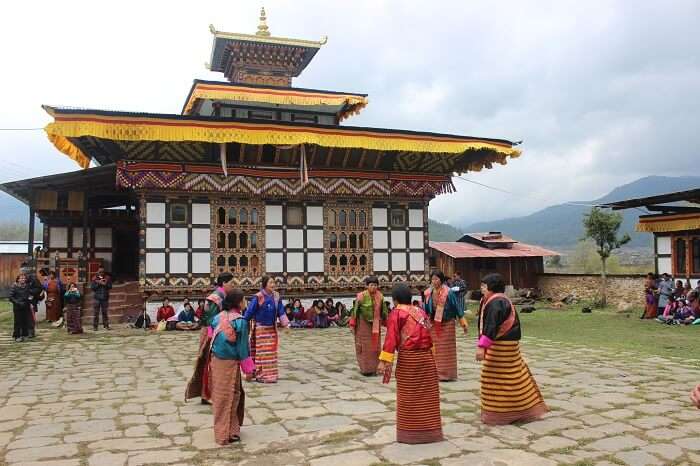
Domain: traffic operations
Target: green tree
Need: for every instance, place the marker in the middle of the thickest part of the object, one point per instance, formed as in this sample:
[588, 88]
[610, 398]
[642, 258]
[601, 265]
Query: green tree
[602, 227]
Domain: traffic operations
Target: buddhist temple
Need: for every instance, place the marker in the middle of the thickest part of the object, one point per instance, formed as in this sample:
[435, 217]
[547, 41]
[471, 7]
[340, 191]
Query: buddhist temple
[255, 176]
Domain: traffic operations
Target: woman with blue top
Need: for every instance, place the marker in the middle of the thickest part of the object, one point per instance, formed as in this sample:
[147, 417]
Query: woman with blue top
[265, 308]
[229, 356]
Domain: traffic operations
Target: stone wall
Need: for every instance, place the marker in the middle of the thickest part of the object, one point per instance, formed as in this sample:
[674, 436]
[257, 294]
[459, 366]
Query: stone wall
[623, 290]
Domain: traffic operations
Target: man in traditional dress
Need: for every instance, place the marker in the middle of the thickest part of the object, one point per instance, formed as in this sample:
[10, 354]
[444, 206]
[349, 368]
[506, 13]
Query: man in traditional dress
[367, 315]
[417, 389]
[199, 384]
[441, 304]
[264, 309]
[509, 393]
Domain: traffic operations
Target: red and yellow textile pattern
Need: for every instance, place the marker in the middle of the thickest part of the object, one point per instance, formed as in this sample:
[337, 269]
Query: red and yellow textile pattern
[509, 393]
[353, 103]
[176, 128]
[666, 223]
[263, 350]
[445, 340]
[199, 384]
[417, 398]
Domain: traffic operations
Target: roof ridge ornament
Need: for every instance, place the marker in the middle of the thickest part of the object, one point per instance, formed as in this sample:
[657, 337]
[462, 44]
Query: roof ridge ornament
[263, 30]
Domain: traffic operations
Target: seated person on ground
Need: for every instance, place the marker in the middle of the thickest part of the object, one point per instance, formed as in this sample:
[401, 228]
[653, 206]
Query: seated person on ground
[298, 319]
[343, 314]
[200, 309]
[187, 319]
[311, 314]
[166, 311]
[322, 315]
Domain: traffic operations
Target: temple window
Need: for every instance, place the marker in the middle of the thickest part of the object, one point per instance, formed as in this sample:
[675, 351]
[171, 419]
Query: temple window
[232, 216]
[221, 216]
[353, 241]
[363, 241]
[333, 261]
[221, 240]
[236, 236]
[353, 260]
[254, 217]
[398, 218]
[343, 260]
[254, 262]
[331, 218]
[343, 241]
[353, 218]
[333, 241]
[243, 241]
[221, 261]
[232, 240]
[178, 213]
[696, 255]
[254, 240]
[363, 260]
[243, 216]
[363, 219]
[244, 261]
[295, 215]
[680, 255]
[349, 230]
[232, 262]
[342, 218]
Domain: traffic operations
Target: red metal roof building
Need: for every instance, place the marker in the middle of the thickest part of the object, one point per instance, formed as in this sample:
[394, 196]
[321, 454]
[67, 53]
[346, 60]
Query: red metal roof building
[475, 255]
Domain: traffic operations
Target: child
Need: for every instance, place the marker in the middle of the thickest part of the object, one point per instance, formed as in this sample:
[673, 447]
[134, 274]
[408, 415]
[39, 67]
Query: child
[72, 300]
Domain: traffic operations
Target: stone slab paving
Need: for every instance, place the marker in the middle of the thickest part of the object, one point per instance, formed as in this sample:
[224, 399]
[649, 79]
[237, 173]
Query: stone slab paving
[116, 399]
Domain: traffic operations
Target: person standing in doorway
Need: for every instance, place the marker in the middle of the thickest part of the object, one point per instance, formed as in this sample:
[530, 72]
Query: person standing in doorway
[264, 309]
[367, 315]
[100, 287]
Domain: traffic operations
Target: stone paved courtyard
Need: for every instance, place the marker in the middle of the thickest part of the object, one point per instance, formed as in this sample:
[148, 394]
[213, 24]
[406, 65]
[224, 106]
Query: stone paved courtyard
[117, 399]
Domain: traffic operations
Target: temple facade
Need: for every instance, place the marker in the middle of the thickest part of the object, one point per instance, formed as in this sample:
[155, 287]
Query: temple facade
[254, 177]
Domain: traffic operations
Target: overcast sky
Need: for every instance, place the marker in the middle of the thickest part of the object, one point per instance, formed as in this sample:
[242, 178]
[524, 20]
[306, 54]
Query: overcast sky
[602, 92]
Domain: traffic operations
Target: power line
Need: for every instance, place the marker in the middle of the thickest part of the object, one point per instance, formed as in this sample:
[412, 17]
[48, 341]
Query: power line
[580, 204]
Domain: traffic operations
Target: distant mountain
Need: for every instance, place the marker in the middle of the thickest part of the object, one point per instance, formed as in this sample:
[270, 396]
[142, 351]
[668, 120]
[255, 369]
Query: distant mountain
[442, 231]
[560, 225]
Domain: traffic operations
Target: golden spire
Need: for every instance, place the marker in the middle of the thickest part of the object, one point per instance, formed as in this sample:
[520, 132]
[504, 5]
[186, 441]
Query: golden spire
[263, 30]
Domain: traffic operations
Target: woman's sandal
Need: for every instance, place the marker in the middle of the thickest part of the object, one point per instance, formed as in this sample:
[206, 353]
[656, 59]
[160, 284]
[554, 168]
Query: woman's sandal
[235, 438]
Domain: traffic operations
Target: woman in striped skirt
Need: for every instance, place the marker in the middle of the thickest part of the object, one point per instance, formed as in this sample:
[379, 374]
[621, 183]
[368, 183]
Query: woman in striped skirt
[417, 389]
[264, 309]
[441, 304]
[509, 393]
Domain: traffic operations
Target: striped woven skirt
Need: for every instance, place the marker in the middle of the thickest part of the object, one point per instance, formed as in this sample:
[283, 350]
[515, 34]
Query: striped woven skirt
[417, 398]
[445, 340]
[228, 398]
[73, 322]
[367, 357]
[509, 393]
[263, 350]
[200, 382]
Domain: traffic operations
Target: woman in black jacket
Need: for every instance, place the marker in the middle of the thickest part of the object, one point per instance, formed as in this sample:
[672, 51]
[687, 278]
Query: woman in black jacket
[21, 298]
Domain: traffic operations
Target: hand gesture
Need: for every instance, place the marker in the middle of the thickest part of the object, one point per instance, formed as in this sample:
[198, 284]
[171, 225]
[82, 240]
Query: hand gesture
[480, 354]
[695, 396]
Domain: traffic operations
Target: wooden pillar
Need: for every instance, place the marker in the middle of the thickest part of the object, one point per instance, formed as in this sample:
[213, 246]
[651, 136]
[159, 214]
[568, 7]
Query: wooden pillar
[30, 239]
[85, 226]
[510, 272]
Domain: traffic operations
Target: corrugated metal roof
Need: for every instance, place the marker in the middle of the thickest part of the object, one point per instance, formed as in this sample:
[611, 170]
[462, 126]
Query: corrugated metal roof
[466, 250]
[15, 247]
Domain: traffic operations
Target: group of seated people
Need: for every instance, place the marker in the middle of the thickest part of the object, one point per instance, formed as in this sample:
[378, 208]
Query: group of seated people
[187, 319]
[683, 306]
[321, 314]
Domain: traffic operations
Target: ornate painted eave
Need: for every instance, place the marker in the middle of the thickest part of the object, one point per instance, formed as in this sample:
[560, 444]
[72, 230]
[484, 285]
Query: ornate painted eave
[412, 150]
[344, 104]
[668, 223]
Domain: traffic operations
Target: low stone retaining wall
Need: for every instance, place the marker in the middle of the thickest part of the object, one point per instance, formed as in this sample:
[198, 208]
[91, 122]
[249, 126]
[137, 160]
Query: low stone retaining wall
[623, 290]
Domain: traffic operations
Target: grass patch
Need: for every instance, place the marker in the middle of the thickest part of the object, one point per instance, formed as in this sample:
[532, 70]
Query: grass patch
[6, 317]
[614, 330]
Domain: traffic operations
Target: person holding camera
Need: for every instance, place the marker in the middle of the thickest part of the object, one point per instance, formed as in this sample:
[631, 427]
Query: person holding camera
[100, 287]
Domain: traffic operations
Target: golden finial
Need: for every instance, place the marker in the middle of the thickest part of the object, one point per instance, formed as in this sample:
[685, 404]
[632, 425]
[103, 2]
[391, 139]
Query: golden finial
[263, 30]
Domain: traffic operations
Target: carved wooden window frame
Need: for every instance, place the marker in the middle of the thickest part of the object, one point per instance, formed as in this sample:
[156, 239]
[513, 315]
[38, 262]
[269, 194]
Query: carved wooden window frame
[243, 220]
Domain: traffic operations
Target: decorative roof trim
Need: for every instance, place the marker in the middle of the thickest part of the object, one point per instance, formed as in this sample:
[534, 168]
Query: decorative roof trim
[668, 223]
